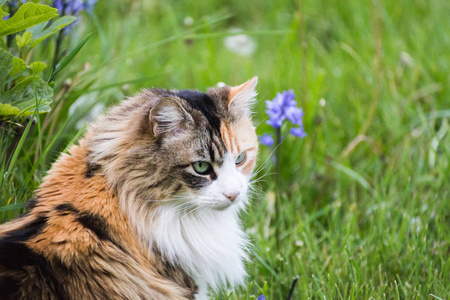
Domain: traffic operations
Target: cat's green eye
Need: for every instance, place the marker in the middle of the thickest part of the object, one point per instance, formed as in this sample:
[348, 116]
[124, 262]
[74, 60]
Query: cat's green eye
[240, 159]
[202, 167]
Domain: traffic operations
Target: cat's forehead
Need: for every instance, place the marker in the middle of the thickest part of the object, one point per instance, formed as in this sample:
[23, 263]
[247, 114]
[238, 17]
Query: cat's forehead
[212, 105]
[227, 133]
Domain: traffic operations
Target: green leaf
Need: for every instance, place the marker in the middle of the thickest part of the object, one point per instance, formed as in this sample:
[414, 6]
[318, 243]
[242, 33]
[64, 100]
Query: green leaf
[2, 2]
[8, 110]
[6, 64]
[38, 66]
[18, 66]
[23, 96]
[3, 14]
[69, 57]
[29, 14]
[3, 44]
[21, 71]
[23, 40]
[40, 32]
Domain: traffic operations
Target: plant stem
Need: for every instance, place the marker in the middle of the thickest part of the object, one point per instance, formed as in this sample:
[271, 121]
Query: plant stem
[56, 55]
[58, 43]
[10, 37]
[278, 222]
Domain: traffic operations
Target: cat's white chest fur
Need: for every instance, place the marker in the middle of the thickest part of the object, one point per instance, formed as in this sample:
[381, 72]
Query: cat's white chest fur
[209, 245]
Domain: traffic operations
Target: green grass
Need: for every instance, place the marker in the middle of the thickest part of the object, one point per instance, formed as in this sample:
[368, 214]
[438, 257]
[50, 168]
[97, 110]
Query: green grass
[365, 196]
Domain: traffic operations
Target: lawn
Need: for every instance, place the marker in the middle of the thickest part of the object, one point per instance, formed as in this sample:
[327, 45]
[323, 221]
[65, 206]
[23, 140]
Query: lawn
[364, 197]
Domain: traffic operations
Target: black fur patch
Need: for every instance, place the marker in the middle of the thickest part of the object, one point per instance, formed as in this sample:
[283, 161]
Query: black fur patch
[193, 181]
[213, 175]
[8, 287]
[66, 207]
[203, 103]
[211, 153]
[13, 252]
[91, 169]
[95, 224]
[32, 203]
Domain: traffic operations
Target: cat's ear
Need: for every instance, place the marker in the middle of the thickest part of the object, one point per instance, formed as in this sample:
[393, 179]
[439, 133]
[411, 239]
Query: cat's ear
[168, 115]
[242, 97]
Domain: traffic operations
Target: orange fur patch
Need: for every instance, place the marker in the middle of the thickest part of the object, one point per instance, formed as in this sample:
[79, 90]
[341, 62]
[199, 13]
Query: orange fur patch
[227, 138]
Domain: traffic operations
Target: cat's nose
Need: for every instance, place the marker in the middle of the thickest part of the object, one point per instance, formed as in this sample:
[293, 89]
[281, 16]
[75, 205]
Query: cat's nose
[232, 195]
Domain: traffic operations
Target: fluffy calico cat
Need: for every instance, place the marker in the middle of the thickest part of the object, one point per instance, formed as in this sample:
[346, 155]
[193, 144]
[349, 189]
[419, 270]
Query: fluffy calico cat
[145, 207]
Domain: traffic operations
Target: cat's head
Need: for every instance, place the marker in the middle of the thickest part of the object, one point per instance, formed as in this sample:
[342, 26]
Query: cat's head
[186, 147]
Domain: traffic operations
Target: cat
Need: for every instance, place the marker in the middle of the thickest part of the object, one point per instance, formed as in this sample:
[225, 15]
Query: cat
[146, 206]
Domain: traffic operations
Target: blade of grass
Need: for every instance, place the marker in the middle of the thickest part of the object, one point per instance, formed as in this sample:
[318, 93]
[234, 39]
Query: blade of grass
[13, 206]
[357, 177]
[47, 149]
[272, 271]
[19, 145]
[75, 138]
[69, 57]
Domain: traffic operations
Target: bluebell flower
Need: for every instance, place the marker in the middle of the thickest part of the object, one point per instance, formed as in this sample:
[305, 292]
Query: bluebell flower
[283, 107]
[298, 131]
[266, 140]
[295, 115]
[261, 297]
[277, 108]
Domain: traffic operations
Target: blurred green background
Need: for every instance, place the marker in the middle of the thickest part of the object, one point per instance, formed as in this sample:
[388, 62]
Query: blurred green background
[365, 196]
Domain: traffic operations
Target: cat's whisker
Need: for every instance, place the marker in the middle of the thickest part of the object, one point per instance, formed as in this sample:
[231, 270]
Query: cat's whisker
[263, 166]
[162, 200]
[266, 161]
[266, 118]
[262, 176]
[195, 209]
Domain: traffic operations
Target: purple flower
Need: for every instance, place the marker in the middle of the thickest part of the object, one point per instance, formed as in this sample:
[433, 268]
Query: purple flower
[261, 297]
[275, 113]
[298, 131]
[295, 115]
[276, 109]
[68, 7]
[283, 107]
[266, 140]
